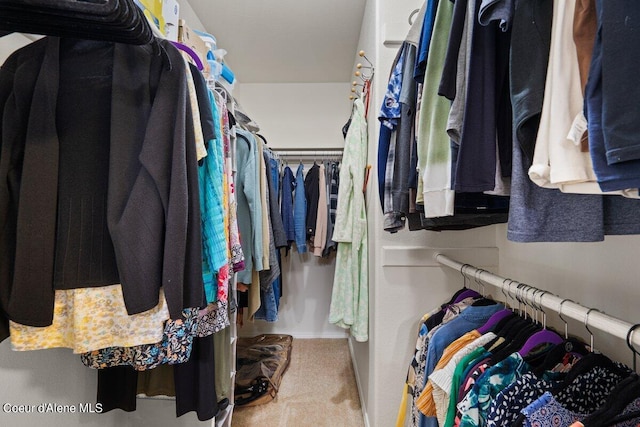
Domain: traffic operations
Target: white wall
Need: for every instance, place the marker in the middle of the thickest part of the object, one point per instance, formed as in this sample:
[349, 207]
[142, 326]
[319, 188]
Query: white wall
[188, 14]
[297, 115]
[12, 42]
[304, 307]
[602, 275]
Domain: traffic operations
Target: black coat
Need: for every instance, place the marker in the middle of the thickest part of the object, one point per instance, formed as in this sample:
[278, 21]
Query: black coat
[152, 202]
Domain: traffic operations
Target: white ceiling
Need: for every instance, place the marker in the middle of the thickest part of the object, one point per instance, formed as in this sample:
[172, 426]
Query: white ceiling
[285, 41]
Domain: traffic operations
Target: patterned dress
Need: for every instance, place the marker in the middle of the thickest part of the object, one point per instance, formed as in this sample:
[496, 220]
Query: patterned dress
[87, 319]
[488, 386]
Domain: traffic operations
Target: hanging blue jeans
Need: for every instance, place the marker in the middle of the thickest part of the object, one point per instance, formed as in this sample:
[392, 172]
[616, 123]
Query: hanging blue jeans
[269, 305]
[286, 204]
[274, 166]
[300, 211]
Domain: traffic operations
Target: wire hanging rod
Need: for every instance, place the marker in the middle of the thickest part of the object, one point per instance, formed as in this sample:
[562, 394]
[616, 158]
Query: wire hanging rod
[590, 317]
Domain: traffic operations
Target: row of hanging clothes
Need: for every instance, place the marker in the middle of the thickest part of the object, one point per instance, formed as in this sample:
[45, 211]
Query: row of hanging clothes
[126, 236]
[309, 200]
[278, 209]
[491, 99]
[319, 211]
[478, 363]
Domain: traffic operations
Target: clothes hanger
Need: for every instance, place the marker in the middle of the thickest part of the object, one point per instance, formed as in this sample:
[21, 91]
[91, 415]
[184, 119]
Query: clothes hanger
[118, 21]
[545, 336]
[508, 321]
[586, 325]
[465, 292]
[630, 344]
[494, 319]
[221, 91]
[192, 54]
[516, 333]
[479, 283]
[590, 361]
[586, 364]
[483, 300]
[497, 316]
[506, 291]
[566, 325]
[457, 297]
[413, 13]
[570, 346]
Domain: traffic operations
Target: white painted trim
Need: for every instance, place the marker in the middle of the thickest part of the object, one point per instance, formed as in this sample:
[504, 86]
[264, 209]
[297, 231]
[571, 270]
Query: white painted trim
[394, 33]
[418, 256]
[363, 406]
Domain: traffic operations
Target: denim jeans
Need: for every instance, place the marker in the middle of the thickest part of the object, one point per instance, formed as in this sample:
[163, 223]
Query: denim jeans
[300, 211]
[286, 204]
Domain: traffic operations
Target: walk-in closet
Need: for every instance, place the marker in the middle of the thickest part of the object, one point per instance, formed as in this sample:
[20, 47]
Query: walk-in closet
[409, 213]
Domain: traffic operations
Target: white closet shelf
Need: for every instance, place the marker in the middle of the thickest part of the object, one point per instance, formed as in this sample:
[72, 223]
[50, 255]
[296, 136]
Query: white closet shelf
[419, 256]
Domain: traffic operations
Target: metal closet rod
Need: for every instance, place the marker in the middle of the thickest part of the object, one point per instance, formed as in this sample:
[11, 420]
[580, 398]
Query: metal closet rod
[308, 152]
[307, 149]
[588, 316]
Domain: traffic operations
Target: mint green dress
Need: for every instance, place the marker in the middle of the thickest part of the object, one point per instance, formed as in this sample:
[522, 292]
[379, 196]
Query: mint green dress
[350, 295]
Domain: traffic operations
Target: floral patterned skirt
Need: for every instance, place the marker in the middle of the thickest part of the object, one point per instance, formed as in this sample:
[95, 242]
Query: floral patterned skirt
[88, 319]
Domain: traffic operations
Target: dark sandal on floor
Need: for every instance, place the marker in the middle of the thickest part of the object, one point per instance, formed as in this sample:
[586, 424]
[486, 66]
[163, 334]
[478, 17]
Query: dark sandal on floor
[258, 388]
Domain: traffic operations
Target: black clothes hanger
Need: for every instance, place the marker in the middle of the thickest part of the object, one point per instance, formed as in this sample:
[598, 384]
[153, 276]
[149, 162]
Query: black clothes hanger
[481, 302]
[506, 329]
[515, 331]
[546, 337]
[437, 318]
[262, 138]
[458, 296]
[504, 323]
[557, 354]
[119, 21]
[515, 344]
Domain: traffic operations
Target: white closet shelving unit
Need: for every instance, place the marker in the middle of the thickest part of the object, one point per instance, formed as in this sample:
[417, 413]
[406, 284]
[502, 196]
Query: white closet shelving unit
[224, 417]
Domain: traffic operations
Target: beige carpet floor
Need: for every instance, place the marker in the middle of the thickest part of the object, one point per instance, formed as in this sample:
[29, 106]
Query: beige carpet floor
[319, 390]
